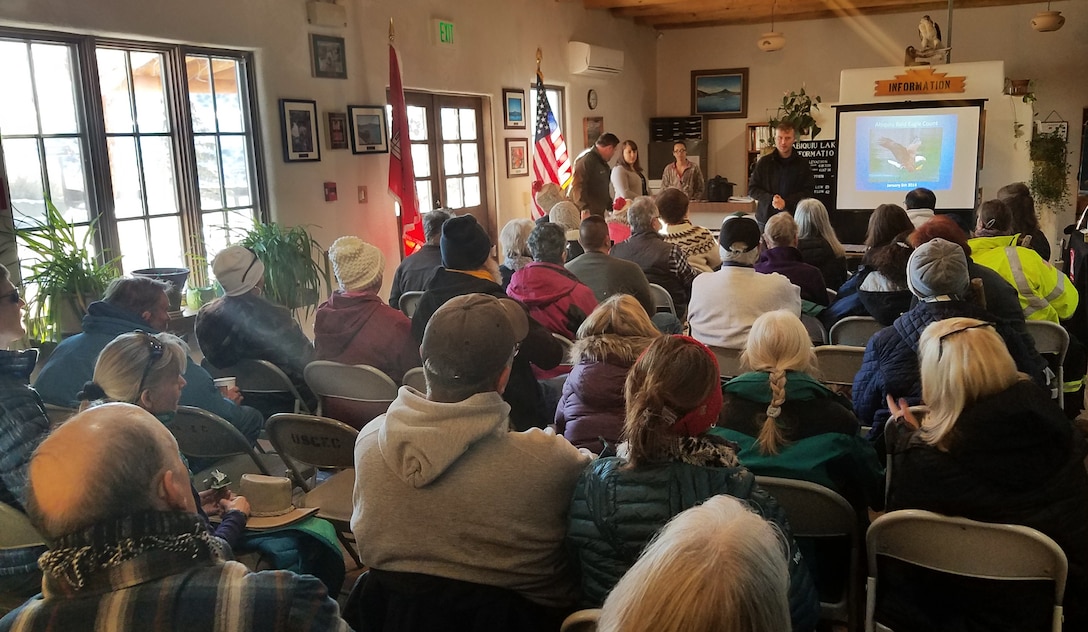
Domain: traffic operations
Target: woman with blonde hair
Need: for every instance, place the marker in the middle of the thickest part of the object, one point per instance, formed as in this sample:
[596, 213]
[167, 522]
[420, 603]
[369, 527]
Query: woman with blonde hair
[627, 178]
[818, 243]
[669, 464]
[993, 447]
[514, 240]
[591, 410]
[788, 424]
[717, 567]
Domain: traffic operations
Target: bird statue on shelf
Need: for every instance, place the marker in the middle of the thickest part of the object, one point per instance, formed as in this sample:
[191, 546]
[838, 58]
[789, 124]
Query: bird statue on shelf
[930, 34]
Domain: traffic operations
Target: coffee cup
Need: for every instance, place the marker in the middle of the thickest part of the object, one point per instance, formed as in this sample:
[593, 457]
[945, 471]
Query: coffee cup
[224, 384]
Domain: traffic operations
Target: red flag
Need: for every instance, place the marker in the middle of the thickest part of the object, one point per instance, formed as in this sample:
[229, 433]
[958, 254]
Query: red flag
[402, 183]
[551, 163]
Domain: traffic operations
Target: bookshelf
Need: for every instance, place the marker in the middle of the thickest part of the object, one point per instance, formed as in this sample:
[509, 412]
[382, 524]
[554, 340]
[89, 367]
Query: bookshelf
[759, 138]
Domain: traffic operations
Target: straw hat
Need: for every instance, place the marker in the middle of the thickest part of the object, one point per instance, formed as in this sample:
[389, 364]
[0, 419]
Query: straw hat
[270, 502]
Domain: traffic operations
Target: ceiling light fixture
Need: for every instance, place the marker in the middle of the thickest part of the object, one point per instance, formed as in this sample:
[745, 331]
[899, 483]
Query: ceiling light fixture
[771, 40]
[1046, 21]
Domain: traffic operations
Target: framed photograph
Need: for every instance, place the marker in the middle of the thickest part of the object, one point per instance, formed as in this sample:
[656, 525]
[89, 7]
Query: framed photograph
[513, 108]
[327, 53]
[298, 119]
[593, 127]
[721, 93]
[368, 132]
[517, 157]
[338, 130]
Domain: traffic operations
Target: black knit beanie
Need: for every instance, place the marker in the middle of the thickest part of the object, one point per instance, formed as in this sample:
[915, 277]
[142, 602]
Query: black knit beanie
[465, 245]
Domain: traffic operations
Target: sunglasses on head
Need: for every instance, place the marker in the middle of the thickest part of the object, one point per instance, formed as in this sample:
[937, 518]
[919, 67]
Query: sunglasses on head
[251, 263]
[940, 340]
[156, 351]
[12, 296]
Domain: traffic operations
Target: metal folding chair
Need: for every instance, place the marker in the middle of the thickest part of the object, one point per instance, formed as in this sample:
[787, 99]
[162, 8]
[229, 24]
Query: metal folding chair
[839, 363]
[409, 301]
[416, 378]
[854, 331]
[260, 377]
[662, 299]
[1051, 339]
[204, 435]
[728, 361]
[353, 394]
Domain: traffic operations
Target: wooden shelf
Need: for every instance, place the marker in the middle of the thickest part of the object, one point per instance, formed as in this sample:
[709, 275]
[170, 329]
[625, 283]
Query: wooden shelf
[758, 137]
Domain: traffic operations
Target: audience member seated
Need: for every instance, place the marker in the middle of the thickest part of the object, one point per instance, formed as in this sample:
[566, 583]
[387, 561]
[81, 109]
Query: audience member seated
[716, 567]
[23, 425]
[995, 448]
[604, 274]
[415, 271]
[818, 243]
[879, 288]
[1017, 196]
[514, 240]
[127, 549]
[468, 269]
[920, 203]
[783, 257]
[670, 464]
[567, 216]
[444, 491]
[134, 303]
[937, 275]
[618, 228]
[662, 263]
[354, 326]
[724, 304]
[554, 295]
[145, 370]
[788, 424]
[697, 243]
[591, 410]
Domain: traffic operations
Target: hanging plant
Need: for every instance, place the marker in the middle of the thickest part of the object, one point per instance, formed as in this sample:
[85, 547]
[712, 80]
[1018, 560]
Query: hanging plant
[1049, 170]
[797, 109]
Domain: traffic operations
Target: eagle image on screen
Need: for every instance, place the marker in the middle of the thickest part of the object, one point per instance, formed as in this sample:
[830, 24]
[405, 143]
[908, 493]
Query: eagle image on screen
[904, 153]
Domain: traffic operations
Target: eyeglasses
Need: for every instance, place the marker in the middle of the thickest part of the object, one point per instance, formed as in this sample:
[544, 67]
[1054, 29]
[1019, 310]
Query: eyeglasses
[12, 296]
[251, 263]
[940, 341]
[156, 350]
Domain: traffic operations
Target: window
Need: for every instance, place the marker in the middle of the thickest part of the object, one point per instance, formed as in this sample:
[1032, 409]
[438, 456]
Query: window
[555, 101]
[154, 141]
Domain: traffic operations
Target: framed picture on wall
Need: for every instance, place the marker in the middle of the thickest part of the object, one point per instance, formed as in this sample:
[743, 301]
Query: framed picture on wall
[593, 127]
[298, 120]
[368, 131]
[721, 93]
[338, 130]
[517, 157]
[513, 108]
[328, 57]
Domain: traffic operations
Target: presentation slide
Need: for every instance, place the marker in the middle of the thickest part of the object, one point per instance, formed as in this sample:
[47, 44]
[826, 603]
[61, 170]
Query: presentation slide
[887, 149]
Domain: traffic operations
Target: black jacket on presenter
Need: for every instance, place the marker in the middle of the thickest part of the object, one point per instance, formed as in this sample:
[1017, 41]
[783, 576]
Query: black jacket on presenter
[774, 175]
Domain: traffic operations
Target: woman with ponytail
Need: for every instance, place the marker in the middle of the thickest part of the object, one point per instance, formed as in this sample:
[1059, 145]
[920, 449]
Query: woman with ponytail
[788, 424]
[669, 463]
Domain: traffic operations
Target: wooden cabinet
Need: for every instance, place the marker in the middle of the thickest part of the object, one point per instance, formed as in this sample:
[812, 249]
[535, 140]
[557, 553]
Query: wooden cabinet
[759, 140]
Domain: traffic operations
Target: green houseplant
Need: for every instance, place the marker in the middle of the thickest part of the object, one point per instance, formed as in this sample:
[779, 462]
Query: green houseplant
[1049, 169]
[796, 108]
[295, 265]
[67, 275]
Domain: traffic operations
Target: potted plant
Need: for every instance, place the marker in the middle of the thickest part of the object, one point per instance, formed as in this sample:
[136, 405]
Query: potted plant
[67, 276]
[294, 264]
[1049, 169]
[797, 109]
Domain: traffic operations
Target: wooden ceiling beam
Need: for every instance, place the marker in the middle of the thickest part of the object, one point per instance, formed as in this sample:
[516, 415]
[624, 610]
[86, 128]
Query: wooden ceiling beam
[619, 4]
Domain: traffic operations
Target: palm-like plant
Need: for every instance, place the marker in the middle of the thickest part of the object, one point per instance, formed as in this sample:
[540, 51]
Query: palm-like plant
[294, 264]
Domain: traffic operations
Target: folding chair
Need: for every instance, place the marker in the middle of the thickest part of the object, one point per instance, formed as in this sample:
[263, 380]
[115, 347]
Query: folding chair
[854, 331]
[353, 394]
[728, 361]
[567, 345]
[662, 299]
[815, 511]
[960, 546]
[320, 442]
[815, 328]
[581, 621]
[204, 435]
[1051, 339]
[58, 414]
[261, 378]
[409, 301]
[839, 363]
[16, 531]
[416, 379]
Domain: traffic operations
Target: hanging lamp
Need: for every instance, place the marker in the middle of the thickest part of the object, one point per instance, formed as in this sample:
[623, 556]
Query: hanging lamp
[1046, 21]
[771, 40]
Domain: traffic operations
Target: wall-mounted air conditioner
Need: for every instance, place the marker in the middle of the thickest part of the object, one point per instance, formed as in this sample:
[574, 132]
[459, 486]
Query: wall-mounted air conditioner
[594, 61]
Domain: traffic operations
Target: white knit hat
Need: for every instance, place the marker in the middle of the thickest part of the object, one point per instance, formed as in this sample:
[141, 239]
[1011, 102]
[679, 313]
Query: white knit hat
[356, 264]
[237, 269]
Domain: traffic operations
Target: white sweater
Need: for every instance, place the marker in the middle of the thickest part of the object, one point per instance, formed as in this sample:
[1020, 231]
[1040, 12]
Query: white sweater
[724, 304]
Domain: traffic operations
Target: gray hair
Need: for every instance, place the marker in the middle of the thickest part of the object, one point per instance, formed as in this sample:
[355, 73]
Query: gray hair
[432, 224]
[641, 214]
[514, 238]
[122, 364]
[743, 258]
[547, 242]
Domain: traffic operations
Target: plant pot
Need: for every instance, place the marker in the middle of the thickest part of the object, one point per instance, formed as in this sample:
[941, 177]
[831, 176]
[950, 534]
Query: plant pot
[1046, 21]
[68, 315]
[197, 296]
[176, 277]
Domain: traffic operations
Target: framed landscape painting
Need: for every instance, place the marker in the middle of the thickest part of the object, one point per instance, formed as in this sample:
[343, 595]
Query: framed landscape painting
[367, 128]
[721, 93]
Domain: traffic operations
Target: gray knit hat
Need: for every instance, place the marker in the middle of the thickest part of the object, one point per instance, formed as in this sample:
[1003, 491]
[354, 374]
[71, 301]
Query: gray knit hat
[566, 215]
[549, 195]
[356, 264]
[936, 268]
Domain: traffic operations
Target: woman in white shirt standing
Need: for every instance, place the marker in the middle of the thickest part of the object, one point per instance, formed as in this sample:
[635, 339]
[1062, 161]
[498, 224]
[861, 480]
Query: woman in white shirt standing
[627, 177]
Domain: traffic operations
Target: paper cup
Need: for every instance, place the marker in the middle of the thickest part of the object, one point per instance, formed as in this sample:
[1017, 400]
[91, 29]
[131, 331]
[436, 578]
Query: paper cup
[224, 384]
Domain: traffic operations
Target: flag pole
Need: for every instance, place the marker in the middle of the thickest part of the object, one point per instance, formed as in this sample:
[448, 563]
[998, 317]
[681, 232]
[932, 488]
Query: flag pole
[400, 220]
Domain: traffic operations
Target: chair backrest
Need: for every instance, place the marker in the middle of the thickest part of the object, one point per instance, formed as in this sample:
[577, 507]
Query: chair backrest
[853, 330]
[16, 531]
[58, 414]
[728, 361]
[202, 434]
[816, 332]
[311, 440]
[1052, 339]
[409, 301]
[662, 299]
[839, 363]
[353, 394]
[581, 621]
[960, 546]
[260, 377]
[567, 345]
[416, 378]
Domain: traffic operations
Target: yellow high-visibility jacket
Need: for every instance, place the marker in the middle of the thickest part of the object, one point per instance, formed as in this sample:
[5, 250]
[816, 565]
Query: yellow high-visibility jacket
[1045, 292]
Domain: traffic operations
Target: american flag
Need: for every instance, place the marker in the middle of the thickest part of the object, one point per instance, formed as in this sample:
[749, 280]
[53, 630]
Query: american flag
[551, 163]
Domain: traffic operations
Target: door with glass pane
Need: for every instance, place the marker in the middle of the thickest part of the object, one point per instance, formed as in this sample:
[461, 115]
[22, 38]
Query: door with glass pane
[447, 153]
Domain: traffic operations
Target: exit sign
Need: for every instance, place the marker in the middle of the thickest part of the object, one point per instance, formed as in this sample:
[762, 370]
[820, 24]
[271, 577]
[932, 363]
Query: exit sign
[443, 30]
